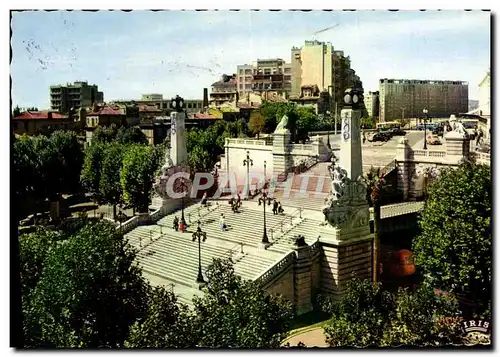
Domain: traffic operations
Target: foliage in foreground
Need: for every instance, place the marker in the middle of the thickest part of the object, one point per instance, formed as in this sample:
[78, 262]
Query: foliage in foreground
[371, 316]
[82, 289]
[454, 251]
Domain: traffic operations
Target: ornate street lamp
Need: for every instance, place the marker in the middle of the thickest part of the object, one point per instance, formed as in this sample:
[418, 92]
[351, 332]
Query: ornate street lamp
[183, 186]
[248, 162]
[265, 177]
[200, 235]
[426, 115]
[262, 200]
[178, 104]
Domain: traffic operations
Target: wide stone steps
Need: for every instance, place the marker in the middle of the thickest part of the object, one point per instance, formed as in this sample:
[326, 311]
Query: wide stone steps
[245, 227]
[308, 228]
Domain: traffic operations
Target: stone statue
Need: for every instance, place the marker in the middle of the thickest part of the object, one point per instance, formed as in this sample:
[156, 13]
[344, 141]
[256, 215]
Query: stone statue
[282, 125]
[160, 185]
[168, 164]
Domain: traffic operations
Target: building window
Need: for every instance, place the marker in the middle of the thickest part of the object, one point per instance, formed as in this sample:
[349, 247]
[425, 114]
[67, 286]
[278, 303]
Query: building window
[241, 86]
[287, 78]
[288, 70]
[241, 71]
[248, 71]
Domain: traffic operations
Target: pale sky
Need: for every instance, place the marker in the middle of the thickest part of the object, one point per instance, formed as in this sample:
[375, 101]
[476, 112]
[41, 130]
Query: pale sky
[172, 52]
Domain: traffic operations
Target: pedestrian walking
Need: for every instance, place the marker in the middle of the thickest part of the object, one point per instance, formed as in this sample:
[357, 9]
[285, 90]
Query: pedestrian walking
[176, 223]
[275, 207]
[280, 208]
[182, 227]
[222, 222]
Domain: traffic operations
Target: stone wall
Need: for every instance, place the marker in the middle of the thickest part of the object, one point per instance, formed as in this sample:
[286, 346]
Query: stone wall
[341, 261]
[282, 284]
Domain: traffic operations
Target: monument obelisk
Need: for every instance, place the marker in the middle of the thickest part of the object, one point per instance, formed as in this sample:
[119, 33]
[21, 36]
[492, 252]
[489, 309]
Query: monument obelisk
[345, 236]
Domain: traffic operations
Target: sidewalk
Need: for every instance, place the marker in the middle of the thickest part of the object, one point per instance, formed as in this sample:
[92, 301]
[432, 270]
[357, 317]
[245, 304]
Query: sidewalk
[311, 338]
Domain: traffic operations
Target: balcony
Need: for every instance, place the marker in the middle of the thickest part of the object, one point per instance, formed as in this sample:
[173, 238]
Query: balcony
[268, 77]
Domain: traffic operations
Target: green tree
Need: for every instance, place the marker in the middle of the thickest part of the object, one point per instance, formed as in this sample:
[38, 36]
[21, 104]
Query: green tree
[16, 112]
[306, 121]
[104, 134]
[24, 175]
[167, 323]
[70, 159]
[137, 176]
[88, 294]
[454, 250]
[110, 189]
[92, 168]
[131, 135]
[368, 123]
[237, 313]
[199, 159]
[257, 123]
[423, 318]
[368, 315]
[359, 318]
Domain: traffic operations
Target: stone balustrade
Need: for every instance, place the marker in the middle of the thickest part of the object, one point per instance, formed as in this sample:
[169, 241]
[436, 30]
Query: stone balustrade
[276, 269]
[156, 215]
[482, 157]
[430, 153]
[129, 225]
[248, 142]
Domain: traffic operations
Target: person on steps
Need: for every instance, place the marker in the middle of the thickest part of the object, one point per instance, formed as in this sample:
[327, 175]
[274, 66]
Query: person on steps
[204, 199]
[176, 223]
[222, 222]
[275, 207]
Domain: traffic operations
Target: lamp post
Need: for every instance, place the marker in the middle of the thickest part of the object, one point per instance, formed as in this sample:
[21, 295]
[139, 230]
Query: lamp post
[328, 133]
[200, 235]
[265, 177]
[183, 187]
[248, 162]
[425, 111]
[262, 200]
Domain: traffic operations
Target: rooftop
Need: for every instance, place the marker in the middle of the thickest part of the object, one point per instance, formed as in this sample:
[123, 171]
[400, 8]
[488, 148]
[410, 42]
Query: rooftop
[107, 110]
[29, 115]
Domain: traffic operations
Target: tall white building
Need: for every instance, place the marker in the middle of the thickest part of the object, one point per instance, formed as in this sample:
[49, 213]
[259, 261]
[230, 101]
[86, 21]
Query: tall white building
[485, 96]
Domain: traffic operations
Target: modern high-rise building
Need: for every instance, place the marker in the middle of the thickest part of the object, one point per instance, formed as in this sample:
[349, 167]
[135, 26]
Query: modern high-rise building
[75, 95]
[318, 63]
[266, 77]
[404, 98]
[372, 104]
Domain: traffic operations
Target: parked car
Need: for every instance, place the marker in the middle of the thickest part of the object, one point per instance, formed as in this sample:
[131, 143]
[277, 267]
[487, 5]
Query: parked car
[379, 136]
[397, 131]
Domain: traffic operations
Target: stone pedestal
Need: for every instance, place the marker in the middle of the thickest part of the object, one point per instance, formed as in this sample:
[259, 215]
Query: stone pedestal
[302, 280]
[457, 144]
[403, 170]
[282, 160]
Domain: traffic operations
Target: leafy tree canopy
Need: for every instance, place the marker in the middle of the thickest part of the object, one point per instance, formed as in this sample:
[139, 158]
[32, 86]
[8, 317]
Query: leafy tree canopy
[454, 250]
[237, 313]
[368, 315]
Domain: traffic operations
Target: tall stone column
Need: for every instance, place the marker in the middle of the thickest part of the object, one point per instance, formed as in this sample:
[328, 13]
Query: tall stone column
[178, 138]
[351, 158]
[345, 236]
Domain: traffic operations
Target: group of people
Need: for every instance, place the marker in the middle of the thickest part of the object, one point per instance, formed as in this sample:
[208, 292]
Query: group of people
[179, 226]
[277, 208]
[235, 203]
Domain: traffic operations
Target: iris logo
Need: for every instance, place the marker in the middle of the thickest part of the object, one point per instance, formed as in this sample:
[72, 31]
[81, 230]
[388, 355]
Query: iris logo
[477, 331]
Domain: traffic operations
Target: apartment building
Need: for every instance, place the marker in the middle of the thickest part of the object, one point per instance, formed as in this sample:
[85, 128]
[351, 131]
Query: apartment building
[75, 95]
[404, 98]
[318, 63]
[224, 91]
[267, 77]
[372, 104]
